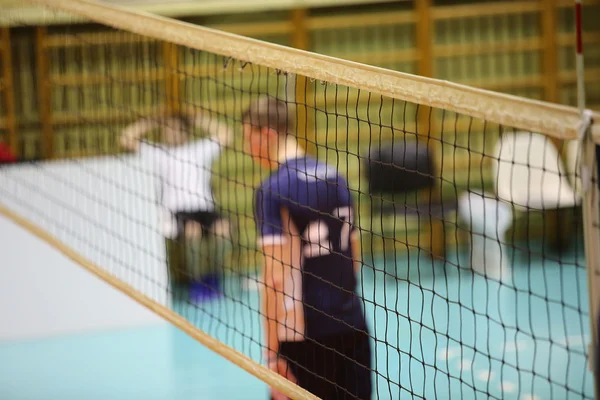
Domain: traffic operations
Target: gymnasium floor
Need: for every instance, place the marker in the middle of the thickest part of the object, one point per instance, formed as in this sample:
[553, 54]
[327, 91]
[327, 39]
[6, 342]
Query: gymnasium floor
[468, 341]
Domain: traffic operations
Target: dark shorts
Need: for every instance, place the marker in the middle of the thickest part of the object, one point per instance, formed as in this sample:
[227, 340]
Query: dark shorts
[337, 367]
[177, 262]
[205, 218]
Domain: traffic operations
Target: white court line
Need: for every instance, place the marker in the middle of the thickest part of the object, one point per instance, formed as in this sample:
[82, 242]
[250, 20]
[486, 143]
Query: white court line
[508, 387]
[516, 345]
[447, 354]
[574, 341]
[251, 285]
[465, 365]
[485, 376]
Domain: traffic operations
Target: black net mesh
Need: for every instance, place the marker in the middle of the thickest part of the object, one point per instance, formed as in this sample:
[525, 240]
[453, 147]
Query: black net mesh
[471, 274]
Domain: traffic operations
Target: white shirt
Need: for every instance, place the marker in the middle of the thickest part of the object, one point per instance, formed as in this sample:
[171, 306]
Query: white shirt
[184, 174]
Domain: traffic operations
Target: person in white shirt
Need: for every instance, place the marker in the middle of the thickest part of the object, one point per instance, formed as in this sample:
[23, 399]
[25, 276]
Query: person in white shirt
[182, 166]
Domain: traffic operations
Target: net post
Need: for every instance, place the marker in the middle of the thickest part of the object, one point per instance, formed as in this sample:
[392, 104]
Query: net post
[301, 89]
[591, 213]
[44, 92]
[8, 89]
[590, 199]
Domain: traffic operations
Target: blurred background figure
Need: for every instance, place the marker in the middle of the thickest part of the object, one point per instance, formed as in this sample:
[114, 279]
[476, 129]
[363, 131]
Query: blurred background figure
[189, 219]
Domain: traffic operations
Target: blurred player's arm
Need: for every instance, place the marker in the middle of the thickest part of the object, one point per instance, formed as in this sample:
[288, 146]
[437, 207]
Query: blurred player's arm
[273, 299]
[280, 258]
[356, 250]
[273, 246]
[218, 130]
[132, 134]
[281, 249]
[355, 242]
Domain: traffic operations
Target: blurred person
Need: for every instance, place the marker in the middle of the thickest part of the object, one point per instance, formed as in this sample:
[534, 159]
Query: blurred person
[316, 332]
[187, 207]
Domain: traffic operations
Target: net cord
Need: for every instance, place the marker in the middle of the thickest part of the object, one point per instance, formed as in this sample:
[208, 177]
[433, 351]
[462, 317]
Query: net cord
[261, 372]
[554, 120]
[590, 199]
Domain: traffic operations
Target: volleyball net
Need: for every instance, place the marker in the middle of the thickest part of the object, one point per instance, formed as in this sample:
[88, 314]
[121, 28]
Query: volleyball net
[473, 277]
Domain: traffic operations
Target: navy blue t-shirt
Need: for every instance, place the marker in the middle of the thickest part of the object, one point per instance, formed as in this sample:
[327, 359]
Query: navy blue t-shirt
[320, 205]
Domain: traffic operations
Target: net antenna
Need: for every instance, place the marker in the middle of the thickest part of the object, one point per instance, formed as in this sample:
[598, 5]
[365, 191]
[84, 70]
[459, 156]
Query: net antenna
[590, 206]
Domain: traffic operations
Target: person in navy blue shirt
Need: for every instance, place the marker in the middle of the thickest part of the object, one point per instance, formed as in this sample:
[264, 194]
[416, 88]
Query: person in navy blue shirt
[316, 333]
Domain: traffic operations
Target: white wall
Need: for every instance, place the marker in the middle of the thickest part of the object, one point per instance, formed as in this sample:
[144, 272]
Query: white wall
[42, 293]
[104, 208]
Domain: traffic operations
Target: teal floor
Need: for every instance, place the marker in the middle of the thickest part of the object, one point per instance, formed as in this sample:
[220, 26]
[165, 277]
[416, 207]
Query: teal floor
[441, 331]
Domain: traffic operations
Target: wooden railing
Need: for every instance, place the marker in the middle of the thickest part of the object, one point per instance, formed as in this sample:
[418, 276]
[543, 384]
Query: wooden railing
[8, 121]
[520, 47]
